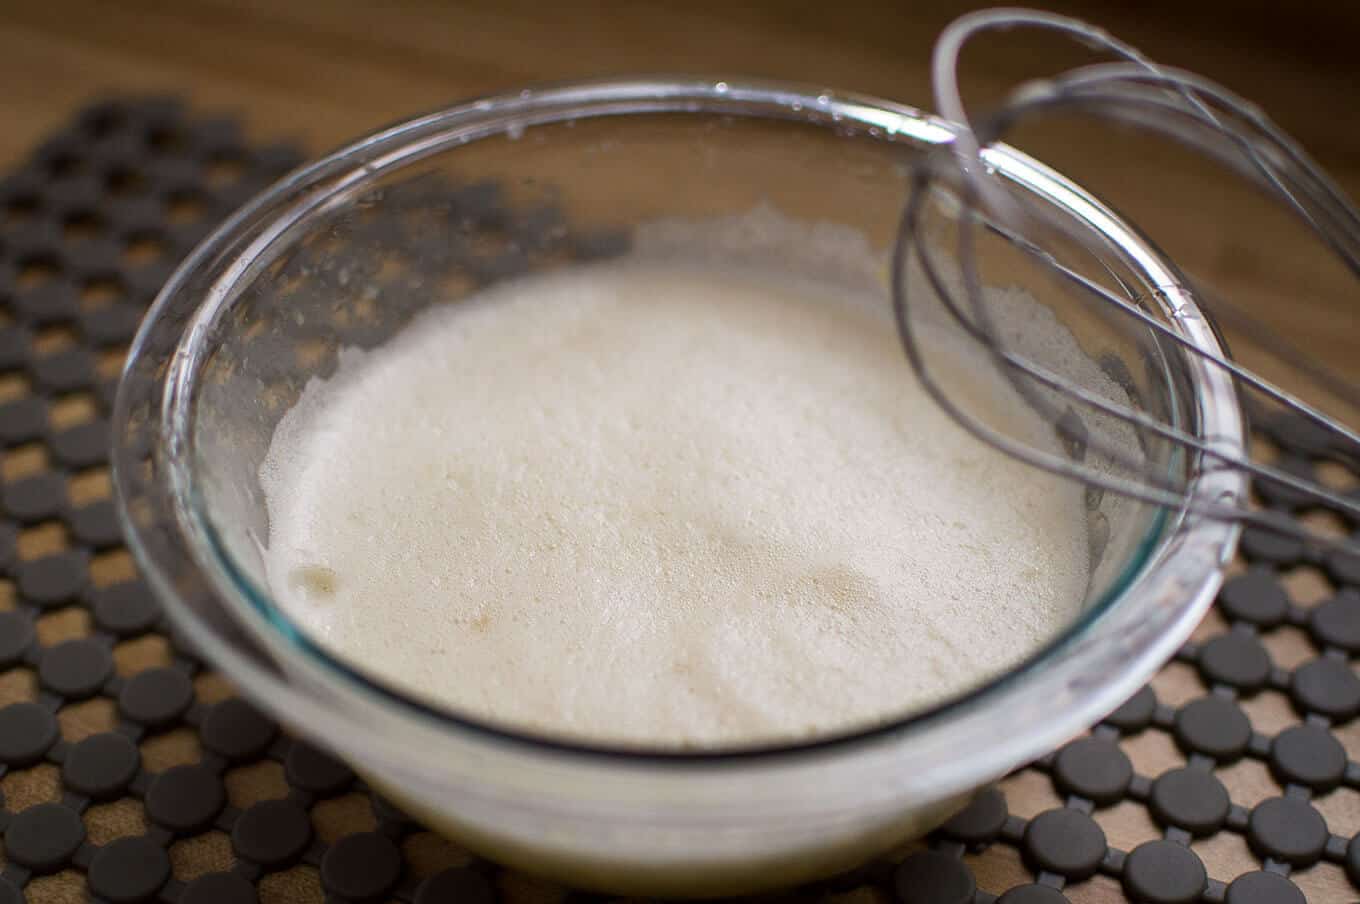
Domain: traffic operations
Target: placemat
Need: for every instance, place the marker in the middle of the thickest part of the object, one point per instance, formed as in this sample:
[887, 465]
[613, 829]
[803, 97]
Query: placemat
[131, 772]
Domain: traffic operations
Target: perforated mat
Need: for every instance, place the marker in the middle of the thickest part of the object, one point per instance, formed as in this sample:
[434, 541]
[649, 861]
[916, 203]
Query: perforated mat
[129, 772]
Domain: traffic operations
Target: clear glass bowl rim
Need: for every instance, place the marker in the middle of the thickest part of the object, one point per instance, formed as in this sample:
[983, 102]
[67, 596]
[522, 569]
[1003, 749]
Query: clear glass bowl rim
[412, 140]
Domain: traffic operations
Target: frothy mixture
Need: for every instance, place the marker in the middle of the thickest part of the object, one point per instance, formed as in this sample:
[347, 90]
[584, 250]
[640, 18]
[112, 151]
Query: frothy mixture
[649, 504]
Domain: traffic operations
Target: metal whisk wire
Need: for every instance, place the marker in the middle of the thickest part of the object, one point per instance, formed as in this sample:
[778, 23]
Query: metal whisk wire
[1189, 109]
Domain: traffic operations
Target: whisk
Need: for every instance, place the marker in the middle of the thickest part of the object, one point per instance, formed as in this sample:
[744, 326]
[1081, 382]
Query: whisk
[1195, 112]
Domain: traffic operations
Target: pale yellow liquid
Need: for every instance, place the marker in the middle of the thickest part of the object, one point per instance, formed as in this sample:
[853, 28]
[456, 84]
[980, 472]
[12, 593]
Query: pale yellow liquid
[660, 505]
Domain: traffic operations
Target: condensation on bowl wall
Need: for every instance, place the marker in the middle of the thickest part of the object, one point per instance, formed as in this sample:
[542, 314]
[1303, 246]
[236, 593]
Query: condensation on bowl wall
[681, 875]
[316, 264]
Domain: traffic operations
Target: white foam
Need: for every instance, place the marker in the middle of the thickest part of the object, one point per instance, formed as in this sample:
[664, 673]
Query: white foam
[646, 502]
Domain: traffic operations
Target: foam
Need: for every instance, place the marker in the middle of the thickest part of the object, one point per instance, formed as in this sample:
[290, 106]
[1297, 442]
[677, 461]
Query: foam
[654, 503]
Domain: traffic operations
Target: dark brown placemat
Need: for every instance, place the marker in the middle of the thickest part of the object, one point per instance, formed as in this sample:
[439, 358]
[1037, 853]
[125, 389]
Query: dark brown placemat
[129, 772]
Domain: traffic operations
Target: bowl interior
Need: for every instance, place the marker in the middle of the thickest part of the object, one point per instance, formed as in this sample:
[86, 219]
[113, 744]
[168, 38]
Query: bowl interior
[349, 258]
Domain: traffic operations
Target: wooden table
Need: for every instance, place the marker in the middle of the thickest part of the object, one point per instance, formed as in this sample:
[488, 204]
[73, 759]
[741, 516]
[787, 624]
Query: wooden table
[322, 72]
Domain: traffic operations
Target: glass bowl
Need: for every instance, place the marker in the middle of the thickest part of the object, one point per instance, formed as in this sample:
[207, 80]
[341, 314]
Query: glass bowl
[346, 251]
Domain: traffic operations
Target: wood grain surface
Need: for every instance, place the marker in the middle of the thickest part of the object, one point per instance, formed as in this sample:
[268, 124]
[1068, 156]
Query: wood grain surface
[323, 72]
